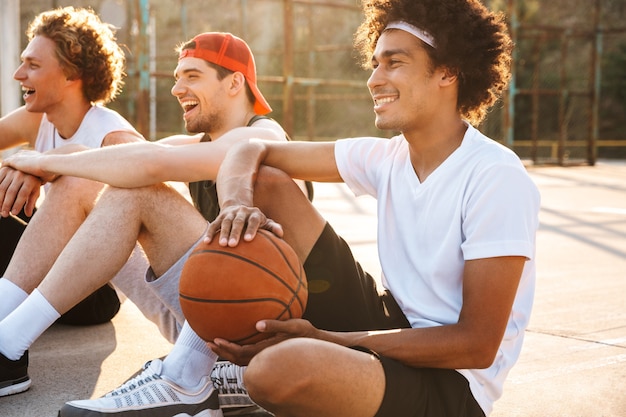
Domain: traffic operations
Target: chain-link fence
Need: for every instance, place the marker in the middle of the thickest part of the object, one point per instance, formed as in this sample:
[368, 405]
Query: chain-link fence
[566, 103]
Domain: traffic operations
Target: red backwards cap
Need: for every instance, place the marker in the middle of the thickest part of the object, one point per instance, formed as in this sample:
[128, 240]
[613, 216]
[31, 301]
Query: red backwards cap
[230, 52]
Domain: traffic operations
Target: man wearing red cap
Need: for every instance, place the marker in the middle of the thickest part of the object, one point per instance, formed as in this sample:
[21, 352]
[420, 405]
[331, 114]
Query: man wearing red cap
[217, 89]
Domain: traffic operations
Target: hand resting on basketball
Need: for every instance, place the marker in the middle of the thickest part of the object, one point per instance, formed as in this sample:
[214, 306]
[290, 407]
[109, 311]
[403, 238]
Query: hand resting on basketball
[236, 221]
[282, 330]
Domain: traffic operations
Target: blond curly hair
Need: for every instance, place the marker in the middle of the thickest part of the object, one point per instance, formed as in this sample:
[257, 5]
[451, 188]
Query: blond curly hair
[86, 48]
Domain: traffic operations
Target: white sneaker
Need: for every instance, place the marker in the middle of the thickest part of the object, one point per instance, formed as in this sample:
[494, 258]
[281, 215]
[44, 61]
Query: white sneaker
[150, 394]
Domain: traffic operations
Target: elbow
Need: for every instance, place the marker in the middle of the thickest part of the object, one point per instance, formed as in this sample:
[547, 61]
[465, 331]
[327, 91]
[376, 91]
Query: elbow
[483, 360]
[482, 354]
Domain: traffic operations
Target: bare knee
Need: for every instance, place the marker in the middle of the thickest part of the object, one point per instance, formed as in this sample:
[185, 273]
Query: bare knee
[131, 197]
[71, 194]
[77, 188]
[266, 375]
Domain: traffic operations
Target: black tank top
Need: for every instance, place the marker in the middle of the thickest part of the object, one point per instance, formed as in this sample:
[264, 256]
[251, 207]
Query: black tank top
[204, 193]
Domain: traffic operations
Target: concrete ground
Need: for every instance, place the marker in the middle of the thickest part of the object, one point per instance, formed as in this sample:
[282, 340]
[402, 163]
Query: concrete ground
[574, 359]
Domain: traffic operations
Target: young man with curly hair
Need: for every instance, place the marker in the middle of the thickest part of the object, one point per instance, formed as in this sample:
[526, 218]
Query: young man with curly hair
[71, 67]
[457, 218]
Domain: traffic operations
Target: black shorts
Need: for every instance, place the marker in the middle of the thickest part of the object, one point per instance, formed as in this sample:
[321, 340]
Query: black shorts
[342, 297]
[425, 392]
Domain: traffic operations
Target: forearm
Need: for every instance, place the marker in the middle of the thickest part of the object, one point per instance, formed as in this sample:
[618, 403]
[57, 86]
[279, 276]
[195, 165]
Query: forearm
[449, 347]
[126, 165]
[237, 174]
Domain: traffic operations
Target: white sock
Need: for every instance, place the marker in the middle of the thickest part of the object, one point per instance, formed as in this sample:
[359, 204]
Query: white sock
[25, 324]
[11, 296]
[189, 360]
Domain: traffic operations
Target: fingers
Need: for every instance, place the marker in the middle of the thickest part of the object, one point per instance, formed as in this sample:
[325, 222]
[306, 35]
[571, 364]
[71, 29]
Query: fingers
[17, 191]
[241, 355]
[27, 196]
[10, 194]
[236, 222]
[287, 328]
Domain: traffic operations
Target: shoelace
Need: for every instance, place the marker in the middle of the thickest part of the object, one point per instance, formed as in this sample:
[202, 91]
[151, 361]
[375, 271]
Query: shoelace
[227, 378]
[150, 373]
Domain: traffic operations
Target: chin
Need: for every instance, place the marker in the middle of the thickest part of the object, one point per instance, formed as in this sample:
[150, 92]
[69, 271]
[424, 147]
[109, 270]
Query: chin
[382, 125]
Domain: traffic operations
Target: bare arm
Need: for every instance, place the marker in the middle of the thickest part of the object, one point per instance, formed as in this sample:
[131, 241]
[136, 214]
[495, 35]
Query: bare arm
[472, 343]
[137, 164]
[19, 127]
[489, 288]
[20, 190]
[312, 161]
[17, 189]
[181, 139]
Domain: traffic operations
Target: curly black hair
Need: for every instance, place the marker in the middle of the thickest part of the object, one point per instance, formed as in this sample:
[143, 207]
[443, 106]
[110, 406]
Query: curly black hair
[86, 48]
[471, 41]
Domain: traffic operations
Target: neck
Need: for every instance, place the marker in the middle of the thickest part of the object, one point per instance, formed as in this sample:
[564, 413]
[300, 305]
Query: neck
[237, 119]
[430, 148]
[67, 118]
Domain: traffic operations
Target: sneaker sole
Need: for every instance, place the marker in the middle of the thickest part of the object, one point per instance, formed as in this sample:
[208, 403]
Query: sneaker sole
[207, 408]
[203, 413]
[16, 388]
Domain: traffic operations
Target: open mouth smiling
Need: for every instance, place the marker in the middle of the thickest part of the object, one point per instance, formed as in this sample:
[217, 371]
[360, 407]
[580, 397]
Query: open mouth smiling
[384, 100]
[380, 101]
[28, 91]
[189, 105]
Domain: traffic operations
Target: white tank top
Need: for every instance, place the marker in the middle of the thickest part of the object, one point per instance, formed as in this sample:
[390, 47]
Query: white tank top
[97, 123]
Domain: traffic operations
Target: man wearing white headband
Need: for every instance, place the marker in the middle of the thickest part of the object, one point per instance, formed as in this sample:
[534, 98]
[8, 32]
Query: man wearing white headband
[457, 217]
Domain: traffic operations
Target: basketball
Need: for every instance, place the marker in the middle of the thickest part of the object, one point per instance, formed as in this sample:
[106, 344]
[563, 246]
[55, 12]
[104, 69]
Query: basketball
[224, 291]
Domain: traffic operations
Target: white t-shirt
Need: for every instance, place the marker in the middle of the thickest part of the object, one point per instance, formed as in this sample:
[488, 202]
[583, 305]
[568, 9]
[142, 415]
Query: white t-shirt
[97, 123]
[479, 203]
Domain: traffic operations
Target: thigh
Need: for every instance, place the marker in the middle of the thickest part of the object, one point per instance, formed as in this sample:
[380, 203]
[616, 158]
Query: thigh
[282, 200]
[324, 379]
[343, 297]
[425, 392]
[166, 223]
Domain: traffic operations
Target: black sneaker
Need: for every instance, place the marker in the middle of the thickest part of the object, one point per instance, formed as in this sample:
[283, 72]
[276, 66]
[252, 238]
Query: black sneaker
[14, 375]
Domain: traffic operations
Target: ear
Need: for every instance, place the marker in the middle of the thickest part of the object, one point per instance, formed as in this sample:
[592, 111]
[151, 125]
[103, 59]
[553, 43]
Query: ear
[237, 82]
[449, 76]
[75, 82]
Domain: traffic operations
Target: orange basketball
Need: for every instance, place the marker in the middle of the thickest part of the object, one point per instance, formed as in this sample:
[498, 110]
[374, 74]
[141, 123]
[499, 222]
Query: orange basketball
[224, 291]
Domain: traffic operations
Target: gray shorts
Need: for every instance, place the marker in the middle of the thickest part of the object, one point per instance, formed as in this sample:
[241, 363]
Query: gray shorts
[165, 287]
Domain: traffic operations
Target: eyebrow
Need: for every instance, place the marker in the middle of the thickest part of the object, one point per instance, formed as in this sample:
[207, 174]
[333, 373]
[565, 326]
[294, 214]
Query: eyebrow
[390, 52]
[186, 71]
[28, 57]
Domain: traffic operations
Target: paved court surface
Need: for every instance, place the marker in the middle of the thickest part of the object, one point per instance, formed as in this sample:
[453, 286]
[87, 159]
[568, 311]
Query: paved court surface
[574, 359]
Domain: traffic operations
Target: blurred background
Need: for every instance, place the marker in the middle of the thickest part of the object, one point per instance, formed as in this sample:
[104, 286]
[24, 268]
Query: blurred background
[566, 103]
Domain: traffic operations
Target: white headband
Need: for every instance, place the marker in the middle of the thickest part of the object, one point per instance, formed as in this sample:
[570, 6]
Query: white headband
[413, 30]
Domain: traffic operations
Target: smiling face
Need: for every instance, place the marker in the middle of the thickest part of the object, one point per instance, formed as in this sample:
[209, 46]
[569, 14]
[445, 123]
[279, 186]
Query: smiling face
[201, 94]
[41, 76]
[403, 83]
